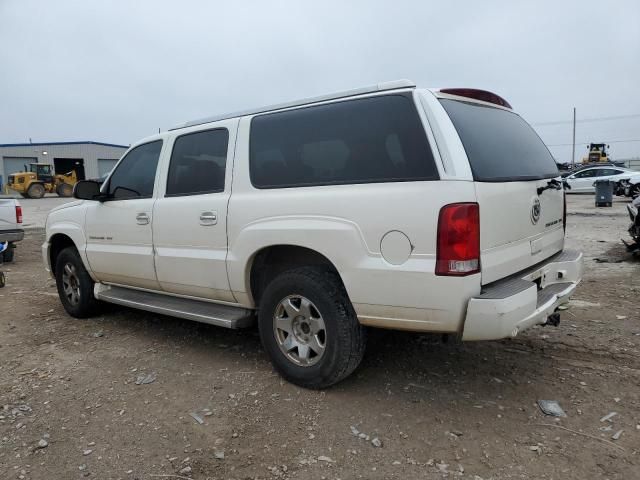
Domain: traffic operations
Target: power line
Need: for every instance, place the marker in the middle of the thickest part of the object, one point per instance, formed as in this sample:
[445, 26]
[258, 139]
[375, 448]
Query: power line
[587, 120]
[587, 143]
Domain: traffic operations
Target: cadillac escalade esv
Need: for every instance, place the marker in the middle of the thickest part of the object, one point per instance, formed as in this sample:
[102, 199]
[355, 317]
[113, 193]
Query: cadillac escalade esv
[389, 206]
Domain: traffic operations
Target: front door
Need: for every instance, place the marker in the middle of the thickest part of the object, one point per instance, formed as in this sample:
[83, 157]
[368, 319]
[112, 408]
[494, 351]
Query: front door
[119, 236]
[583, 180]
[190, 218]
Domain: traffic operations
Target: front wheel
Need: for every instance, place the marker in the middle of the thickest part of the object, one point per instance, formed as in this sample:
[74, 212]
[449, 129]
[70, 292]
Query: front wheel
[75, 286]
[309, 329]
[36, 190]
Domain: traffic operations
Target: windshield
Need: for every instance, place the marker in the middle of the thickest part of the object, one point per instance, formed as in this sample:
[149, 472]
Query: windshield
[500, 145]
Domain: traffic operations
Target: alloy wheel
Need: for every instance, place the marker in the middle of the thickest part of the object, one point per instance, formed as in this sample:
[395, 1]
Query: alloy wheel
[299, 330]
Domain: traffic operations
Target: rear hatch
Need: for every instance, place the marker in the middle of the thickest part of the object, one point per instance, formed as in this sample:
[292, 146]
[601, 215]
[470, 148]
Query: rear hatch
[521, 211]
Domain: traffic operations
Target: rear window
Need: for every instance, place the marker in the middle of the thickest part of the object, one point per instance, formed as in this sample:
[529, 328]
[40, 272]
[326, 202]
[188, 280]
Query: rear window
[500, 145]
[370, 140]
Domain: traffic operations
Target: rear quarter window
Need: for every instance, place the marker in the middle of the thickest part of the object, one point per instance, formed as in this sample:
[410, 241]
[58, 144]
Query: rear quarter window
[369, 140]
[500, 145]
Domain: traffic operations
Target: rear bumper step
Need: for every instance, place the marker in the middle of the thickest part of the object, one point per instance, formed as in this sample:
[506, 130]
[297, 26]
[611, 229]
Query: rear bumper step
[196, 310]
[14, 235]
[507, 307]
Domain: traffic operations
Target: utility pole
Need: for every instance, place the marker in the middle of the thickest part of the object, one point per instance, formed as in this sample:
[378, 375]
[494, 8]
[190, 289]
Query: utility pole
[573, 148]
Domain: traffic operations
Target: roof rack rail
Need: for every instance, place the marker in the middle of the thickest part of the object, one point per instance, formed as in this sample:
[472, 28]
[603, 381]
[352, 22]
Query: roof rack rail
[379, 87]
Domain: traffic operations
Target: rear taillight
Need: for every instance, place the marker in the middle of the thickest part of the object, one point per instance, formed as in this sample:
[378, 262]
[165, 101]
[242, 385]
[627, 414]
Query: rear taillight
[18, 214]
[564, 211]
[458, 250]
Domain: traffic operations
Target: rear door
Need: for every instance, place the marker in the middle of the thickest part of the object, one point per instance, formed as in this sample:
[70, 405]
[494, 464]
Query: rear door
[521, 213]
[190, 218]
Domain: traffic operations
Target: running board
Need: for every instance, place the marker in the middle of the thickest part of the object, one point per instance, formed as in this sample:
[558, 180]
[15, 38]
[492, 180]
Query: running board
[196, 310]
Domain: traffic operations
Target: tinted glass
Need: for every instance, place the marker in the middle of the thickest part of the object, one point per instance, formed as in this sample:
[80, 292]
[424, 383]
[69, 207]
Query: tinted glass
[198, 163]
[500, 145]
[587, 174]
[605, 172]
[368, 140]
[136, 173]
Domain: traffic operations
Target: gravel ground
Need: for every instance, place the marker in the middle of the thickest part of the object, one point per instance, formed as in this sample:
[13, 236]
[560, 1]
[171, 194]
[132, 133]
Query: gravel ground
[70, 405]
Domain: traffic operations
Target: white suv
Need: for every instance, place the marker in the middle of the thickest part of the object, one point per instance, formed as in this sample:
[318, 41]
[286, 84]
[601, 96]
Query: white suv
[389, 206]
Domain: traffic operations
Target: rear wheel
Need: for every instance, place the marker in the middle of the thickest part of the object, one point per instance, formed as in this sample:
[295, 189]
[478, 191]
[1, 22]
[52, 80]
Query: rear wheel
[64, 190]
[75, 286]
[309, 329]
[35, 190]
[8, 254]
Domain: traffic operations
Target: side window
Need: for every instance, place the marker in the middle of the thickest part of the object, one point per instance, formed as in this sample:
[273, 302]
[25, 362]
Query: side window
[586, 174]
[605, 172]
[135, 175]
[368, 140]
[198, 163]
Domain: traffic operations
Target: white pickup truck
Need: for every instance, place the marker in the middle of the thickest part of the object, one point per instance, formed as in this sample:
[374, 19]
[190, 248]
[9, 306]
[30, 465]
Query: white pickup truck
[10, 222]
[388, 206]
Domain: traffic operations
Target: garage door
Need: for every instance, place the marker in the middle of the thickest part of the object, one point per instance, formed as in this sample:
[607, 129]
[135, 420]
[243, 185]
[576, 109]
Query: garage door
[15, 164]
[105, 165]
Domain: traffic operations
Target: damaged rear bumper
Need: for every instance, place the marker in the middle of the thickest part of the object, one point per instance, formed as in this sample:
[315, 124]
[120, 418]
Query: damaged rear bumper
[507, 307]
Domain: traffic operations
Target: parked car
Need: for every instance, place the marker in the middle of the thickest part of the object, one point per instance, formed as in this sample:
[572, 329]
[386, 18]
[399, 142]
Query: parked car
[390, 206]
[631, 186]
[634, 228]
[582, 180]
[10, 223]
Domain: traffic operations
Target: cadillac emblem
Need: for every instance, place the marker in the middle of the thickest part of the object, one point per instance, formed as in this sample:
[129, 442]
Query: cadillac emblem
[535, 210]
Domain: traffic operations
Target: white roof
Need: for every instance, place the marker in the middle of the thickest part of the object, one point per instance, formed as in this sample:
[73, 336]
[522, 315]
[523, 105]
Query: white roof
[379, 87]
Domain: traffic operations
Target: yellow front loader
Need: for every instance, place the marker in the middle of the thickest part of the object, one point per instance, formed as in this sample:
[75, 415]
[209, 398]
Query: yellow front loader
[597, 153]
[40, 180]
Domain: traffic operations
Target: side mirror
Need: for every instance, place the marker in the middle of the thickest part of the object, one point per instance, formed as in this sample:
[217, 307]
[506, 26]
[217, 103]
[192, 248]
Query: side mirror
[87, 190]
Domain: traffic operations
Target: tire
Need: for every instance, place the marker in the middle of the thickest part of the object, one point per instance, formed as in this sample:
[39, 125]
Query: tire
[24, 195]
[8, 254]
[341, 341]
[75, 286]
[35, 190]
[3, 280]
[64, 190]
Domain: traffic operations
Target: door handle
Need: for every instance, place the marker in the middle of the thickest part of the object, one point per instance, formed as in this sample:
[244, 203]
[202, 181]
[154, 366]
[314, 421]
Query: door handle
[208, 218]
[142, 219]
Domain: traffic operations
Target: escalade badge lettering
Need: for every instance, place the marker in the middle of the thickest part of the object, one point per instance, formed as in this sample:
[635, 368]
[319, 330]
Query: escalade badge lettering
[535, 211]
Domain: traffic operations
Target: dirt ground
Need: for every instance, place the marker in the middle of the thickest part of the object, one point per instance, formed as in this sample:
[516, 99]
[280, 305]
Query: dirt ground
[70, 406]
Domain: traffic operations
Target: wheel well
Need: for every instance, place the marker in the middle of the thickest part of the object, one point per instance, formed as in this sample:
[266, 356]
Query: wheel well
[58, 243]
[272, 261]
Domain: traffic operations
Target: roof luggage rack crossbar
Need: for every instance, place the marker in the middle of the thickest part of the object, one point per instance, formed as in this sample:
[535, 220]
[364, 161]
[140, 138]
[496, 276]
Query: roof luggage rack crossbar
[379, 87]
